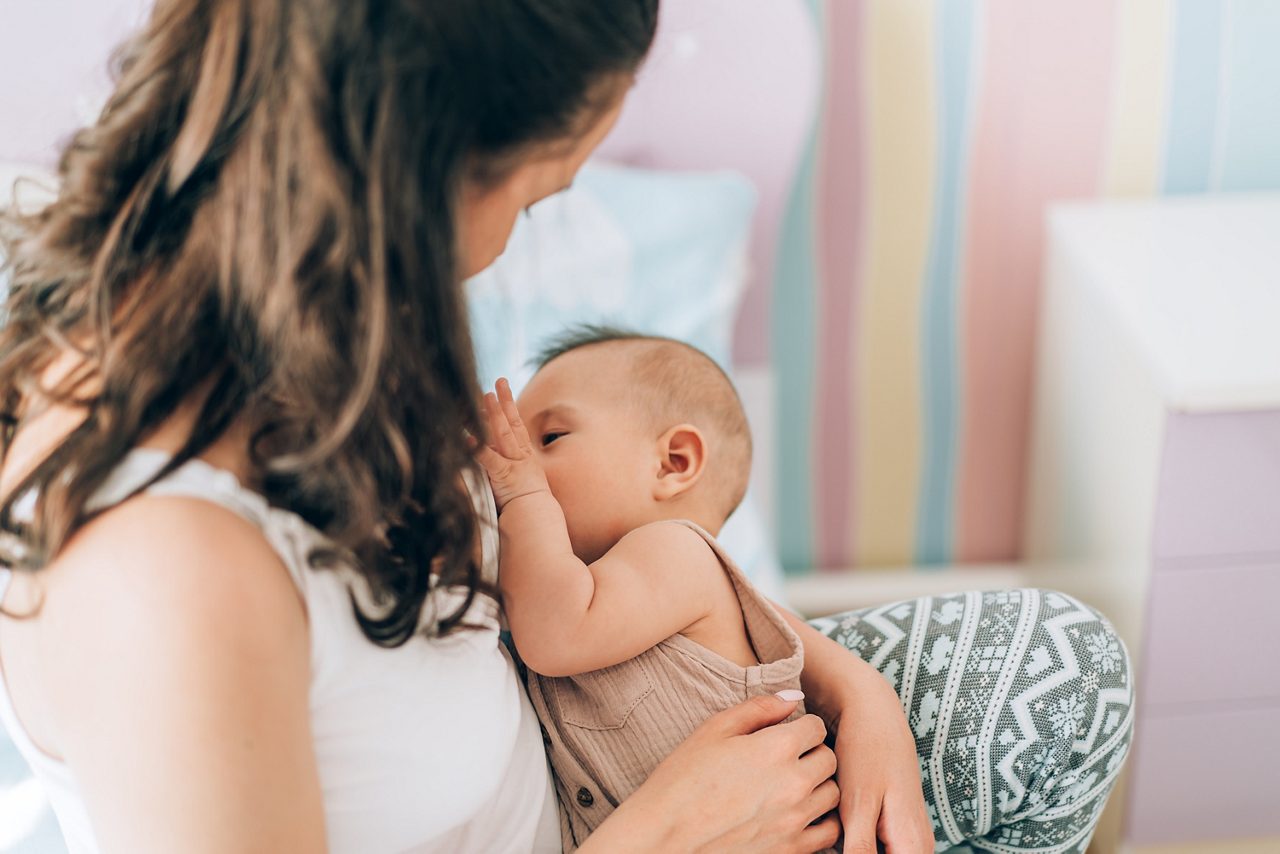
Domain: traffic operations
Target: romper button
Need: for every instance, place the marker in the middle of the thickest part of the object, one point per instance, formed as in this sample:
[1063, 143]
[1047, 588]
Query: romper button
[585, 798]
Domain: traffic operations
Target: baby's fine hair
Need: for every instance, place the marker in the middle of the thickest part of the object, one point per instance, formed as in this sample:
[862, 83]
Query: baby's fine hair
[678, 383]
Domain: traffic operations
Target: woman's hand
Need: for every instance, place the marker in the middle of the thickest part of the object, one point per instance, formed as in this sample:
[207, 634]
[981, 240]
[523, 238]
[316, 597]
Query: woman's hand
[877, 769]
[738, 783]
[508, 458]
[879, 775]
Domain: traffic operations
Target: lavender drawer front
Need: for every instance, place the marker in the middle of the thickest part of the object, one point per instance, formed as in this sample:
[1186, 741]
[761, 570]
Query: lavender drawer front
[1209, 633]
[1220, 485]
[1207, 776]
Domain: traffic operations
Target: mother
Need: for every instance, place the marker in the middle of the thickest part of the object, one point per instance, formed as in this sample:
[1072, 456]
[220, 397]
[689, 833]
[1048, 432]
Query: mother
[245, 609]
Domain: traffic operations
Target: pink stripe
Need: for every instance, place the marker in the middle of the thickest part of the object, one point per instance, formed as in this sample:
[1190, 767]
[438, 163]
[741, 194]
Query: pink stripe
[1039, 137]
[840, 238]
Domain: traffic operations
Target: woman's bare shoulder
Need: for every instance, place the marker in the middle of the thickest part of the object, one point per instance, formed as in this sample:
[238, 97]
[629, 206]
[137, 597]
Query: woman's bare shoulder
[160, 578]
[172, 555]
[176, 623]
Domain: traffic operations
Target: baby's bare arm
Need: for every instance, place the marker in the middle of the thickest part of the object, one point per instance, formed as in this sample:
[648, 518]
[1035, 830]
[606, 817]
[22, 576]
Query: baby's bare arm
[567, 617]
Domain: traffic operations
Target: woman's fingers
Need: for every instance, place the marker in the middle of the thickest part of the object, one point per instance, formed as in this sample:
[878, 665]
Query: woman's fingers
[749, 716]
[909, 836]
[868, 817]
[821, 801]
[860, 824]
[820, 836]
[751, 783]
[819, 762]
[800, 736]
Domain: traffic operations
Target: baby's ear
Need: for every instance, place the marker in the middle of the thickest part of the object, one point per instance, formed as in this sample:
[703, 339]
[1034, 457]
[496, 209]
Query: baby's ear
[682, 458]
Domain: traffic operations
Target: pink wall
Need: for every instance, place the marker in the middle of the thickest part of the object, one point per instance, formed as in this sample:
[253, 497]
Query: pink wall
[53, 67]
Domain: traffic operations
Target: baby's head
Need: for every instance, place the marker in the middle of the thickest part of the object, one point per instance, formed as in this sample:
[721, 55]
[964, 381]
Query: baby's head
[633, 429]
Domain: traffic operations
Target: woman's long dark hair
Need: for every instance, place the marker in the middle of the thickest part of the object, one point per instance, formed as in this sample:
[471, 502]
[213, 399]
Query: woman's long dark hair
[264, 214]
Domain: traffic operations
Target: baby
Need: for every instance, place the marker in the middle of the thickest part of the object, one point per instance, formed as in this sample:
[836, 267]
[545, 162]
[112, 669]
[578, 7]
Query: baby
[622, 461]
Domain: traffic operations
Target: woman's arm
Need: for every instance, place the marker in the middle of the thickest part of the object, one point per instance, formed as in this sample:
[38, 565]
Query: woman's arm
[879, 774]
[177, 668]
[742, 782]
[834, 679]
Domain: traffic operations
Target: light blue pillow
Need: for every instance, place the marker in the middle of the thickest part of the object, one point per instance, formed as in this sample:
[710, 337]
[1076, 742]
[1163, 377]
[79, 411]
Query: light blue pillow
[657, 252]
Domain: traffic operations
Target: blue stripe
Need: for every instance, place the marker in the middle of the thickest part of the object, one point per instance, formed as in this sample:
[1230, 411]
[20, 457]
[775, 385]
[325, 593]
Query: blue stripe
[941, 350]
[1251, 135]
[1193, 105]
[794, 321]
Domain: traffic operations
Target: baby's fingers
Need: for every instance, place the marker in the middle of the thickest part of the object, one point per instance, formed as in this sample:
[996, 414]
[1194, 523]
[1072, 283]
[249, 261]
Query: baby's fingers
[501, 438]
[512, 412]
[492, 462]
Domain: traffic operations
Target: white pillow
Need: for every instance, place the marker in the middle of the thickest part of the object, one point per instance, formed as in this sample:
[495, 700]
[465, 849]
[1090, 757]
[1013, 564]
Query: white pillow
[656, 252]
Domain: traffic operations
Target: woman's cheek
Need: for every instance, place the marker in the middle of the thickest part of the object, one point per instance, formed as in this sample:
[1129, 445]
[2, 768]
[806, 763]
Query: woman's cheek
[484, 244]
[486, 220]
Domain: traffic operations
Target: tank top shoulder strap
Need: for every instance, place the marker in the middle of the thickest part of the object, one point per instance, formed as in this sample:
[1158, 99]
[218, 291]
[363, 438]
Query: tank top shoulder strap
[289, 535]
[193, 478]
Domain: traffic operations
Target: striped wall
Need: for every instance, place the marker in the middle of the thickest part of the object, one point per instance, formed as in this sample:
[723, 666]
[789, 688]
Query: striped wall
[907, 289]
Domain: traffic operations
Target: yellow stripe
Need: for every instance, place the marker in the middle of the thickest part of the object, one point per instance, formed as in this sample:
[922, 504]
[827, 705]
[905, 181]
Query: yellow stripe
[902, 141]
[1139, 99]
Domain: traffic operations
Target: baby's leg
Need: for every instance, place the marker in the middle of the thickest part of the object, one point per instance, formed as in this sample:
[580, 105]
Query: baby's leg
[1021, 704]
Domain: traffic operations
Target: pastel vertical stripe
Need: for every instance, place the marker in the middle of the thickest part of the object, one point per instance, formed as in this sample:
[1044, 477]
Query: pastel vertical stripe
[793, 323]
[1041, 121]
[948, 129]
[902, 138]
[1139, 97]
[941, 398]
[1250, 134]
[840, 255]
[1193, 103]
[794, 318]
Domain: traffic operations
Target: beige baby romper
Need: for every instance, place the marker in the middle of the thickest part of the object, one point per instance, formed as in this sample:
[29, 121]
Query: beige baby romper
[606, 730]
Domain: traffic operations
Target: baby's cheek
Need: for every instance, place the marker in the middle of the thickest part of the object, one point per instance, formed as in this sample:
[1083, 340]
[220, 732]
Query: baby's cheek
[557, 484]
[562, 491]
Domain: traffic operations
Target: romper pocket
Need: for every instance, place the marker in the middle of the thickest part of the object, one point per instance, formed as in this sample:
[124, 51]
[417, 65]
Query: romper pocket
[602, 699]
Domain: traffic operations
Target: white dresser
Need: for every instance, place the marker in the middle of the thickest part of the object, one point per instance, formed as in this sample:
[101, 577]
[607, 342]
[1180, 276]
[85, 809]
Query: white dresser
[1155, 490]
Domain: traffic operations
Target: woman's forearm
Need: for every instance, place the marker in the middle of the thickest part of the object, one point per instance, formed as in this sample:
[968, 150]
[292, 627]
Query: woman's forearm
[834, 679]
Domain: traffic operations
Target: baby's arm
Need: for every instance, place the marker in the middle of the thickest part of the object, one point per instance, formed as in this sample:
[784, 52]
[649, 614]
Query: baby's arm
[567, 617]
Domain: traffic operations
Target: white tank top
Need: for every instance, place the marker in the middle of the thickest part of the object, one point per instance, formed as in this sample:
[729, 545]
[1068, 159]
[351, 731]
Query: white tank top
[429, 747]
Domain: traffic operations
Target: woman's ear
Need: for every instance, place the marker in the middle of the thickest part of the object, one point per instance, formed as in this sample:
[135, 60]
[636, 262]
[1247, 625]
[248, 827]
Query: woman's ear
[682, 458]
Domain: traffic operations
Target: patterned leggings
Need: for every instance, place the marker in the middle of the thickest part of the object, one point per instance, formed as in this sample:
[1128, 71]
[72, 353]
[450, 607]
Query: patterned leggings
[1021, 704]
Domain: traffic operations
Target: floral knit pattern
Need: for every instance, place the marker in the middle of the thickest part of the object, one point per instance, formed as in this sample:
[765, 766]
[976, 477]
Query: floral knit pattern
[1021, 704]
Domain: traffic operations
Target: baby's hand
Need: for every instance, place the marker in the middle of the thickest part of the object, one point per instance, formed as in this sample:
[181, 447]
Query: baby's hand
[513, 469]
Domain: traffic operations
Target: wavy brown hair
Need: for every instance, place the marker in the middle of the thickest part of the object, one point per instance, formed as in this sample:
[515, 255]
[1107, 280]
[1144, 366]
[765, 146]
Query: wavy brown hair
[262, 221]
